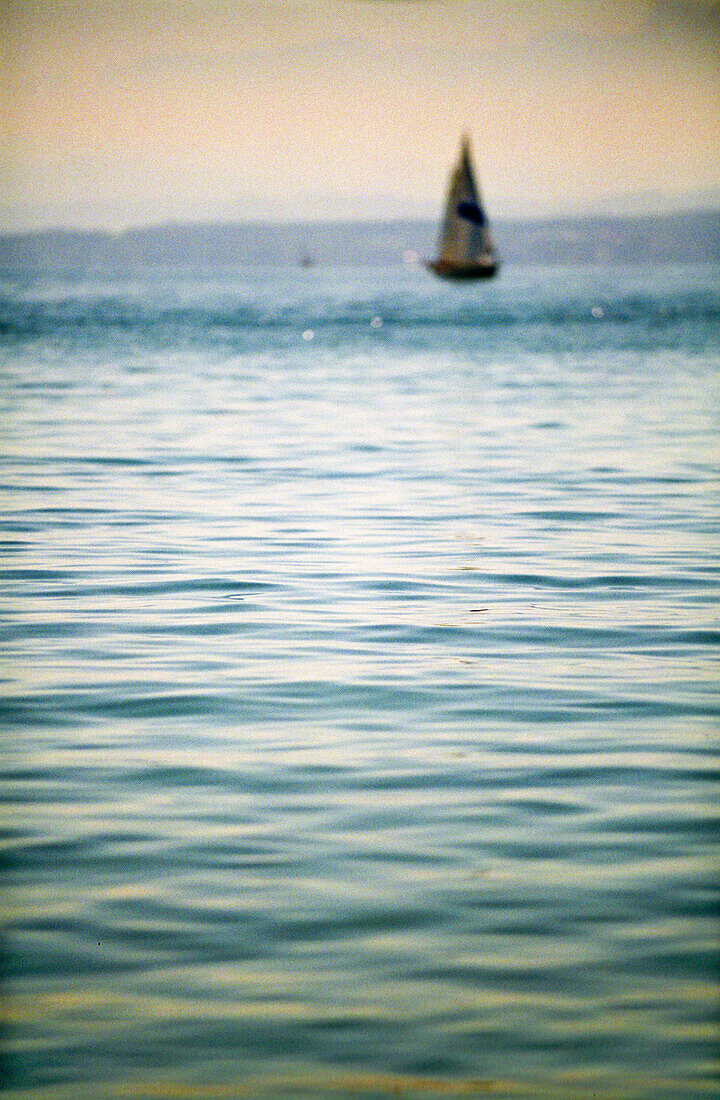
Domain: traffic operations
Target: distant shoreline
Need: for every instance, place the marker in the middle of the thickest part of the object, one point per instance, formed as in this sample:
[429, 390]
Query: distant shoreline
[677, 237]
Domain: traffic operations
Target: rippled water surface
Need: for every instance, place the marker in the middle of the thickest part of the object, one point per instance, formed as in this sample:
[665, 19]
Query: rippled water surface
[360, 684]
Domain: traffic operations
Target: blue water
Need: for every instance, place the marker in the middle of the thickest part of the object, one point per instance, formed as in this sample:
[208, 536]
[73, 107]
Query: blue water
[360, 684]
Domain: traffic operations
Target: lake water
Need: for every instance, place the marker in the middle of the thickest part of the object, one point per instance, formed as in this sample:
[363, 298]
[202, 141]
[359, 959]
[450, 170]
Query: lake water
[361, 684]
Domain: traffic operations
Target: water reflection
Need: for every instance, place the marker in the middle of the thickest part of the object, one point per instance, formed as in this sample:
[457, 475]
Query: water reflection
[362, 693]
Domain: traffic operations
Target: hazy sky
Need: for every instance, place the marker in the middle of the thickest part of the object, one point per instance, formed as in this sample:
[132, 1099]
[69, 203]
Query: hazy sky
[119, 112]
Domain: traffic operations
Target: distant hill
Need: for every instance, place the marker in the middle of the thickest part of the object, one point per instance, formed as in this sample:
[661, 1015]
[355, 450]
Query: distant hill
[658, 239]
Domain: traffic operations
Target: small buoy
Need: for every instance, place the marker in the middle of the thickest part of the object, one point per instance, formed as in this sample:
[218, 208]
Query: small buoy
[308, 334]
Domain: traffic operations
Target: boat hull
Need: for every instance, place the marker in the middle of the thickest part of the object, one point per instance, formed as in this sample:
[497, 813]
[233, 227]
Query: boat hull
[462, 272]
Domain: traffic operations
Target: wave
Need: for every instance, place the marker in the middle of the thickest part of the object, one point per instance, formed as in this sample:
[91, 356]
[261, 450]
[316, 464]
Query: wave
[149, 316]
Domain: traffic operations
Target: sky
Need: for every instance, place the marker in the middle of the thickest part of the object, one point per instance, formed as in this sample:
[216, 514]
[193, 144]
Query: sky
[133, 112]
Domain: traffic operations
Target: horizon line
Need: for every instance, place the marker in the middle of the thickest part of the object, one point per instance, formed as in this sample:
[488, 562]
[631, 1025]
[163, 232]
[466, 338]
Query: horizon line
[289, 223]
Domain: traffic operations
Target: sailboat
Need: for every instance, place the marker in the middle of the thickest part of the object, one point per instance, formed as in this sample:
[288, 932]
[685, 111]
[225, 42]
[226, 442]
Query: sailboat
[466, 249]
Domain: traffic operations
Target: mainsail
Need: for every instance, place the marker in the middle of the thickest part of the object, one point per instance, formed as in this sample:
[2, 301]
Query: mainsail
[466, 249]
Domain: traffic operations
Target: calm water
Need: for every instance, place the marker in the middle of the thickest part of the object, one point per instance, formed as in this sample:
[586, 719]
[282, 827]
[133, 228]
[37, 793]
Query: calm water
[361, 685]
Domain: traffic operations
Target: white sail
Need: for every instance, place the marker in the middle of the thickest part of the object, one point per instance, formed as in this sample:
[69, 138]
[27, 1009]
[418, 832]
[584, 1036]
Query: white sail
[466, 248]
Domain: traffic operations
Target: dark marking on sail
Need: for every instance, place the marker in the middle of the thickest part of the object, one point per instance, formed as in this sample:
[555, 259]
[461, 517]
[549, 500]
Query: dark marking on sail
[472, 213]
